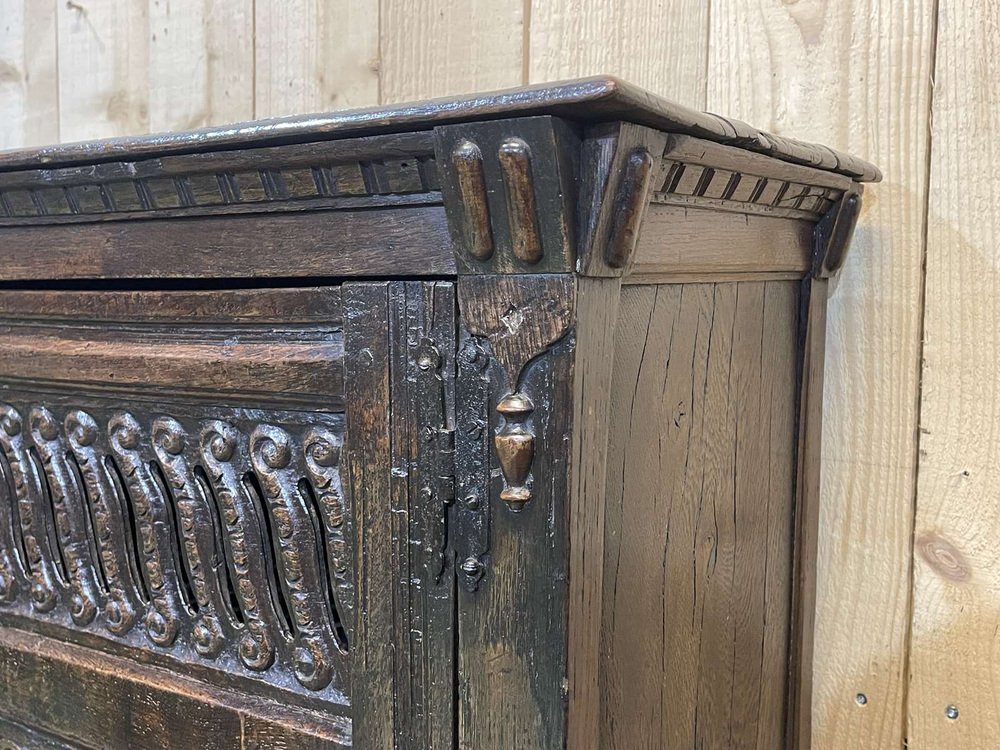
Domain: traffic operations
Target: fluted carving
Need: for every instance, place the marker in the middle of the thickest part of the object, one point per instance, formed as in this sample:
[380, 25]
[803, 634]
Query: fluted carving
[229, 539]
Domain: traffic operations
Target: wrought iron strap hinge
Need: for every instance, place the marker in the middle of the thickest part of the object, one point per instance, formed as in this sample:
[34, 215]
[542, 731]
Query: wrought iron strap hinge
[446, 465]
[470, 511]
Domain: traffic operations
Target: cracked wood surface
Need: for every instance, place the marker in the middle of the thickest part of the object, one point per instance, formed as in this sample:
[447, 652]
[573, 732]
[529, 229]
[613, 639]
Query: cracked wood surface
[699, 512]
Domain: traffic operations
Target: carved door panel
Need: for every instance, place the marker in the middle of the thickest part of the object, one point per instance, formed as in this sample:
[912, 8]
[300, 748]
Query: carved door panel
[189, 485]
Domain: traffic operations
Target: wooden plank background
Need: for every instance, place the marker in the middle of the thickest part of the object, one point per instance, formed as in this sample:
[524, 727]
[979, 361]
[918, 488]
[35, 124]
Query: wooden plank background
[909, 580]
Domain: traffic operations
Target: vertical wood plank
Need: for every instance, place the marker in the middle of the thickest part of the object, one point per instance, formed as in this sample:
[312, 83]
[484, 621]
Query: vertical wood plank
[825, 71]
[698, 517]
[659, 44]
[512, 625]
[956, 608]
[399, 364]
[808, 507]
[103, 68]
[200, 63]
[314, 55]
[434, 48]
[781, 303]
[597, 325]
[369, 445]
[29, 92]
[422, 333]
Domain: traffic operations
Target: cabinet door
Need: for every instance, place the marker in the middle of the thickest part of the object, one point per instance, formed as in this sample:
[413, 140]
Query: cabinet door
[209, 501]
[399, 366]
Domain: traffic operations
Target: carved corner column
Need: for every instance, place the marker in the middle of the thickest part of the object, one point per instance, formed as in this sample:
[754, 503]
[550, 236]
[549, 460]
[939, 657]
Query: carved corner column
[513, 448]
[510, 193]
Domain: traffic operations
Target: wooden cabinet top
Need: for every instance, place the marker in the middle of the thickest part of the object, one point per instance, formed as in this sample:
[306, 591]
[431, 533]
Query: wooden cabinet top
[589, 100]
[547, 179]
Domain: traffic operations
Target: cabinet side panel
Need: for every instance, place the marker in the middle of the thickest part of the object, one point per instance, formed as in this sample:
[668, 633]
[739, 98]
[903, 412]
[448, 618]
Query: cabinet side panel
[698, 527]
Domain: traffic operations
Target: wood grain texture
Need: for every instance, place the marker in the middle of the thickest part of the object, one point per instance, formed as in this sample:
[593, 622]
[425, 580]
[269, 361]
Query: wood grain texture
[414, 240]
[597, 326]
[201, 55]
[956, 584]
[512, 667]
[828, 69]
[697, 556]
[314, 55]
[433, 48]
[630, 38]
[808, 507]
[612, 204]
[369, 448]
[529, 168]
[29, 88]
[275, 359]
[104, 63]
[159, 709]
[678, 241]
[400, 370]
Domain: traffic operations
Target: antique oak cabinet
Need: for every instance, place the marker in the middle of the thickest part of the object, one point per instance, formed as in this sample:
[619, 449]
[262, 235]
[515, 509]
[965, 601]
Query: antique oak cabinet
[484, 423]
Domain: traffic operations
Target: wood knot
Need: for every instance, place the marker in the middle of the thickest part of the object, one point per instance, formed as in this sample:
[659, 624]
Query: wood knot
[943, 557]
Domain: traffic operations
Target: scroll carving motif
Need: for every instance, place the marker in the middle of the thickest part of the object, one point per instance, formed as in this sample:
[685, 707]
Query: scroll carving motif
[82, 432]
[69, 512]
[28, 494]
[221, 445]
[197, 534]
[150, 505]
[229, 539]
[271, 450]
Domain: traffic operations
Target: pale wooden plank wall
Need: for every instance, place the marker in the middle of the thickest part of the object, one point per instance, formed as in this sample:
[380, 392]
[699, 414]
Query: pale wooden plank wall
[956, 646]
[29, 93]
[854, 74]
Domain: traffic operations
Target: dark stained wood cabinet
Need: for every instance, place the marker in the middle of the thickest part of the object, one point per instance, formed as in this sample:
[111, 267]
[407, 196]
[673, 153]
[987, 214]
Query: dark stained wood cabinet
[482, 423]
